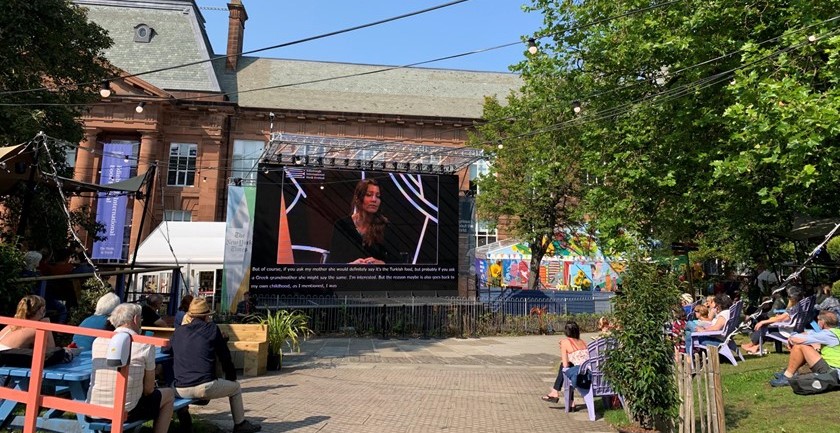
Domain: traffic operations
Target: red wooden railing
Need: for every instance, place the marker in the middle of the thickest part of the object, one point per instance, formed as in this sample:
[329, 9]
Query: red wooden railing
[34, 401]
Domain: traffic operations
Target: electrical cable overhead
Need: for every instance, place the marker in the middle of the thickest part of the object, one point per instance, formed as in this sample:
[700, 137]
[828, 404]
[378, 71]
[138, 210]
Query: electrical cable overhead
[272, 47]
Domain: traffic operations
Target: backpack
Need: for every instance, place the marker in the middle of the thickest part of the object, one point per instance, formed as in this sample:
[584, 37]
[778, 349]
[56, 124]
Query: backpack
[815, 383]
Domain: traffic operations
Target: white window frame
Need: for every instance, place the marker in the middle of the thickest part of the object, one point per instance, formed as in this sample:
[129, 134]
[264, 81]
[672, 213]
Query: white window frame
[177, 215]
[246, 155]
[183, 167]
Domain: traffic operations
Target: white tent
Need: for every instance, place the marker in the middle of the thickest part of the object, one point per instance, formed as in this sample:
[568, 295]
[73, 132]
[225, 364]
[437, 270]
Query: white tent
[199, 247]
[193, 243]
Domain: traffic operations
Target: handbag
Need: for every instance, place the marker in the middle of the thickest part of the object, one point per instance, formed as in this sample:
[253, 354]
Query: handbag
[584, 380]
[23, 357]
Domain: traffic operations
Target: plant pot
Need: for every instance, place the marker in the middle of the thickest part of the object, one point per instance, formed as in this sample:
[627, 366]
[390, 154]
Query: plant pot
[274, 362]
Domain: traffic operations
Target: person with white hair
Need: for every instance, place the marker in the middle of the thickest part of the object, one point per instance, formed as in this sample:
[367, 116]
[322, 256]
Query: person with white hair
[98, 320]
[142, 400]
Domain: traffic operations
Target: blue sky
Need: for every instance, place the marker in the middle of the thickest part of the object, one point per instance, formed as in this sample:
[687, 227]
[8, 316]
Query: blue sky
[469, 26]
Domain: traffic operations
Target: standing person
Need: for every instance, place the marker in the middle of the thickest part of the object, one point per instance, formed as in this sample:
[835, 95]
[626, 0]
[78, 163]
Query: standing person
[573, 352]
[142, 399]
[365, 237]
[195, 347]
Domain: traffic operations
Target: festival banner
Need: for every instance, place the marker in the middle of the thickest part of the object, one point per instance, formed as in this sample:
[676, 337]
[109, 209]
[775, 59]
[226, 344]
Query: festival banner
[111, 206]
[238, 242]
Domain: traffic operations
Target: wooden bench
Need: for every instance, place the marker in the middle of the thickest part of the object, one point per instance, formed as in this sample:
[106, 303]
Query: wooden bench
[248, 344]
[180, 406]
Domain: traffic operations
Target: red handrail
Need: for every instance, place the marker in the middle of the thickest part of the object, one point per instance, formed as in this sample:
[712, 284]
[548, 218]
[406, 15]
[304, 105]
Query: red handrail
[33, 399]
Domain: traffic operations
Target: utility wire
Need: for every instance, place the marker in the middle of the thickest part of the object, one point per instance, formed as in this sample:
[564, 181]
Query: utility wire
[272, 47]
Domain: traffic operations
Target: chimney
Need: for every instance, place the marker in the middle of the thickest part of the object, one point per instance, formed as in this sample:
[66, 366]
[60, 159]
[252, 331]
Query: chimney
[236, 32]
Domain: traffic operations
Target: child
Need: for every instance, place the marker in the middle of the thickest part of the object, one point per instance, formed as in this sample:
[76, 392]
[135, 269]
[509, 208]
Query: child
[604, 327]
[677, 333]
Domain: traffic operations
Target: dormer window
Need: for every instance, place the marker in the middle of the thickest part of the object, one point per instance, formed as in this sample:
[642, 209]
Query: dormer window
[143, 33]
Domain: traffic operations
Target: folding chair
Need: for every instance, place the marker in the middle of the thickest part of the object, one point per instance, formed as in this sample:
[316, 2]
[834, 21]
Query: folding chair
[798, 320]
[599, 386]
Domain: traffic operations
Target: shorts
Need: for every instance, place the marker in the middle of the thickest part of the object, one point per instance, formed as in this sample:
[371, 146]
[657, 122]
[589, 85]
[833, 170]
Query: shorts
[821, 367]
[147, 407]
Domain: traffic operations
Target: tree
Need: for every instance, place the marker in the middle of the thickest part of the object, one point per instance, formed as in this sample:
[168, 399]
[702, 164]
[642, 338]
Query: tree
[51, 65]
[535, 182]
[712, 120]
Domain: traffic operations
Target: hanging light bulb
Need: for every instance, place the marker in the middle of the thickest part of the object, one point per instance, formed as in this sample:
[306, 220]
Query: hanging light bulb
[532, 46]
[576, 107]
[105, 89]
[139, 107]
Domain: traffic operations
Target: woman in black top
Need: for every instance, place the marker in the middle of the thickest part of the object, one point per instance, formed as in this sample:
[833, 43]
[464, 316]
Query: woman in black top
[363, 237]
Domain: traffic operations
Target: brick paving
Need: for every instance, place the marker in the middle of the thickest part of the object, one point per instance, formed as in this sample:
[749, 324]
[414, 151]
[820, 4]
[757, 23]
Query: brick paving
[352, 385]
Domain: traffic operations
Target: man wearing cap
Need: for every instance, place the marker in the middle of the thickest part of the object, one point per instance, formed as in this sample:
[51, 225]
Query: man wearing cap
[195, 346]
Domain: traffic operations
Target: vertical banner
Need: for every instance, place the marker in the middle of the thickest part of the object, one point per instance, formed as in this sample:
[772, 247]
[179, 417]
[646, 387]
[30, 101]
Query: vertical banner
[238, 239]
[111, 206]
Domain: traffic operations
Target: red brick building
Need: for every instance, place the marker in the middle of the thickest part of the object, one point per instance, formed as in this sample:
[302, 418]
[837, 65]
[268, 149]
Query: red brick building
[208, 122]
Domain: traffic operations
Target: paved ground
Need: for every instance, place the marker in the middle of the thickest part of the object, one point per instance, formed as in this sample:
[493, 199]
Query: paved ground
[370, 385]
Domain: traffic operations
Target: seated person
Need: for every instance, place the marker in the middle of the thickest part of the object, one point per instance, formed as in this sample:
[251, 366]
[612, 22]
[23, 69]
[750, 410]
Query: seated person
[99, 320]
[150, 308]
[832, 301]
[142, 399]
[366, 237]
[721, 302]
[687, 303]
[247, 305]
[752, 348]
[182, 310]
[803, 350]
[195, 347]
[30, 307]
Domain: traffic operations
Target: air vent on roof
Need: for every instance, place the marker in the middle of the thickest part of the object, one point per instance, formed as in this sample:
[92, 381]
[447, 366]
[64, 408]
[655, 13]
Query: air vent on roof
[143, 33]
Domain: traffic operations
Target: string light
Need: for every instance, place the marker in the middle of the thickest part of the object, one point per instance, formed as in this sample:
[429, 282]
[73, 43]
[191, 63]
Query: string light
[139, 108]
[532, 46]
[105, 89]
[576, 107]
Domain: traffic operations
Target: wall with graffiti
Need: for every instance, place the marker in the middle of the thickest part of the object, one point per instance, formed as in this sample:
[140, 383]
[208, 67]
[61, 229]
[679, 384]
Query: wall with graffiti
[572, 262]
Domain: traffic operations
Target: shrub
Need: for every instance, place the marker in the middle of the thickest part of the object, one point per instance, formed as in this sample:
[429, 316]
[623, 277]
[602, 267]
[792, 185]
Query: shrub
[93, 290]
[642, 366]
[833, 248]
[11, 265]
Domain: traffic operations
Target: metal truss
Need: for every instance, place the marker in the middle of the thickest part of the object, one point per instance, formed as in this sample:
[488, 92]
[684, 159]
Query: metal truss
[307, 150]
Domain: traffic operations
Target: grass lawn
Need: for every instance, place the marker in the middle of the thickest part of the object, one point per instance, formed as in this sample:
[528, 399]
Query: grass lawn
[751, 405]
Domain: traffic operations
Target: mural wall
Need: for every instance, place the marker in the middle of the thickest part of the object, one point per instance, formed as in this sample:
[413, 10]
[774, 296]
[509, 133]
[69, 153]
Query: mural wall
[572, 262]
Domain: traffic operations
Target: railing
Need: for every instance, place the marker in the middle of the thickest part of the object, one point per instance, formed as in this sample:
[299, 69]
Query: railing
[438, 317]
[34, 400]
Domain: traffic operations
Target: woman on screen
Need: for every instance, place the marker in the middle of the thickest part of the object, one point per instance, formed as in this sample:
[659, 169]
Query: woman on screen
[365, 237]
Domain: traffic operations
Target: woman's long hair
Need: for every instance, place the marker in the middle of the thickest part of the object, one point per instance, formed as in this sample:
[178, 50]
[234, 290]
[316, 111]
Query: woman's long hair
[374, 225]
[28, 307]
[185, 303]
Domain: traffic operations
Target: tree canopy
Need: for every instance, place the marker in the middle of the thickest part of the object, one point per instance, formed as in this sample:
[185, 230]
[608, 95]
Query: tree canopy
[51, 65]
[47, 43]
[712, 120]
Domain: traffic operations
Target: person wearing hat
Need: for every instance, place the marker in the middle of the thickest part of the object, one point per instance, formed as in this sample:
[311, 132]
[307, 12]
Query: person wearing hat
[196, 345]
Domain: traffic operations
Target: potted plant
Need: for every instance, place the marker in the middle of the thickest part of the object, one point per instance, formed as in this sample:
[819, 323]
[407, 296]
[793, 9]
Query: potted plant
[285, 329]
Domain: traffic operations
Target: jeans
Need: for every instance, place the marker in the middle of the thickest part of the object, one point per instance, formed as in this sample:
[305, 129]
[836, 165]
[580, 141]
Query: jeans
[217, 389]
[570, 373]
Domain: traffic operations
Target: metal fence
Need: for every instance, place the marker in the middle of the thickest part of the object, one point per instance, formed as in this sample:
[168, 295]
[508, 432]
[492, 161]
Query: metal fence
[440, 317]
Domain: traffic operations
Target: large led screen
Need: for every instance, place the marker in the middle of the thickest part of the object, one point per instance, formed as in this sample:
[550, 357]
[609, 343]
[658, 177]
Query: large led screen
[351, 230]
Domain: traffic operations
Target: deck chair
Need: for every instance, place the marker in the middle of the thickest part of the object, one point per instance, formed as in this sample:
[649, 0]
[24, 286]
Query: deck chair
[798, 320]
[599, 386]
[727, 346]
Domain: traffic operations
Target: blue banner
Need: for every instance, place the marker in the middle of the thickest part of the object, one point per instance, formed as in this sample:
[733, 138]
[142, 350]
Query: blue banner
[111, 206]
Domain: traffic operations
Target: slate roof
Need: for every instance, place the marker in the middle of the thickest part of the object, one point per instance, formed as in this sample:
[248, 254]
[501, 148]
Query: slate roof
[178, 39]
[405, 91]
